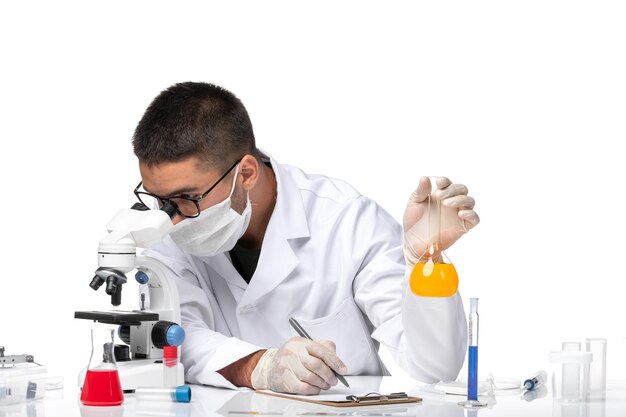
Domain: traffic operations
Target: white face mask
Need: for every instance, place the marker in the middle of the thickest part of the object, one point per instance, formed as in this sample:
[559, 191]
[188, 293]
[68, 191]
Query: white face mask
[215, 230]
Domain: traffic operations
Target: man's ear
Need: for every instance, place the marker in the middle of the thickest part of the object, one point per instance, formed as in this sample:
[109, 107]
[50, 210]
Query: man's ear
[249, 169]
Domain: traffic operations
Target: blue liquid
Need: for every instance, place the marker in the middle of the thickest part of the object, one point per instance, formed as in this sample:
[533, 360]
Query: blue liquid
[472, 377]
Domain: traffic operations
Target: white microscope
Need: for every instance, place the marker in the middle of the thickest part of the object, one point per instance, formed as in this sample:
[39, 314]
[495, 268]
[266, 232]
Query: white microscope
[147, 330]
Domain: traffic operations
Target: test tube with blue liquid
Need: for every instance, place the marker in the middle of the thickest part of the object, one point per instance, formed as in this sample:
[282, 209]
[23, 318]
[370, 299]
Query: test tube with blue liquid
[472, 367]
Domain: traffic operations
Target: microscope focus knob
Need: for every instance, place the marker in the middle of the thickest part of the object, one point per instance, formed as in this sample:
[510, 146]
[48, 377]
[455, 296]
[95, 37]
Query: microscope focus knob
[141, 277]
[167, 333]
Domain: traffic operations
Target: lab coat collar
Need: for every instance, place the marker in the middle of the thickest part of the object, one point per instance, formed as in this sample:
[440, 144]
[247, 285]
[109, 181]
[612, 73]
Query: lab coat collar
[278, 260]
[288, 221]
[289, 206]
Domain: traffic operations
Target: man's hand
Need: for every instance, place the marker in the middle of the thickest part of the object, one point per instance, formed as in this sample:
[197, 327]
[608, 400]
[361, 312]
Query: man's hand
[457, 217]
[300, 366]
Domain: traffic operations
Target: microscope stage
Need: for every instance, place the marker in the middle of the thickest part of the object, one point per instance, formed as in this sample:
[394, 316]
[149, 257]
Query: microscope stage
[131, 318]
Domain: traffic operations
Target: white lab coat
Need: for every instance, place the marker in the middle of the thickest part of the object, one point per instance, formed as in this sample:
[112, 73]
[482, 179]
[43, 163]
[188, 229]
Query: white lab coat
[332, 259]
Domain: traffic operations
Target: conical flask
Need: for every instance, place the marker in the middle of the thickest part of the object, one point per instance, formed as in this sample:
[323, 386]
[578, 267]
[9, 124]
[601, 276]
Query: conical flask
[102, 385]
[434, 274]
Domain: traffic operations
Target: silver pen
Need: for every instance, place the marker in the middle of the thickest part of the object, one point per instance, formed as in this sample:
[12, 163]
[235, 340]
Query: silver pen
[296, 326]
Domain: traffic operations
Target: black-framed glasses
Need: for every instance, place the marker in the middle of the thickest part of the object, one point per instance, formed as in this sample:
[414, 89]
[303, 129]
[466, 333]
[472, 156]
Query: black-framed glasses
[186, 205]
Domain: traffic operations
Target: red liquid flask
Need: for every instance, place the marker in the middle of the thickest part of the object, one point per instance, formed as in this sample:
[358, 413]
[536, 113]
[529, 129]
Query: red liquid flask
[102, 385]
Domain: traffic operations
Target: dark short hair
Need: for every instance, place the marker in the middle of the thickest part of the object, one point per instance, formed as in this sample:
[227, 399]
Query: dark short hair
[195, 119]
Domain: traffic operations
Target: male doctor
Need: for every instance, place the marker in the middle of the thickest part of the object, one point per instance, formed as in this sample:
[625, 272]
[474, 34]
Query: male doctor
[256, 242]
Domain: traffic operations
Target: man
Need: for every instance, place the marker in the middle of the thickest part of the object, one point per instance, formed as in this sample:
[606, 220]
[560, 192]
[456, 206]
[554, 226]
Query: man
[257, 242]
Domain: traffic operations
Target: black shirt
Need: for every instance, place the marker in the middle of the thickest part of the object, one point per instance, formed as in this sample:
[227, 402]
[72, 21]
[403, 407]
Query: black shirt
[245, 261]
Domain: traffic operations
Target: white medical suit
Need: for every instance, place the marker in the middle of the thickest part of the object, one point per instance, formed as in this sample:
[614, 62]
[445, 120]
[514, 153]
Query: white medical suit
[332, 259]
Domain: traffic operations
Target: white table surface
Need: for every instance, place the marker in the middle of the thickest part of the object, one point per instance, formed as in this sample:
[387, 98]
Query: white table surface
[208, 401]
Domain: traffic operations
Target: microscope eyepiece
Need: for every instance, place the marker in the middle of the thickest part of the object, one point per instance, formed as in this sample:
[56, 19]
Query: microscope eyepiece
[140, 207]
[170, 208]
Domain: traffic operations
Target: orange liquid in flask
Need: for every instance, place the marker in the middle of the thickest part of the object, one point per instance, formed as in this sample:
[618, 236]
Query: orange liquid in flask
[432, 279]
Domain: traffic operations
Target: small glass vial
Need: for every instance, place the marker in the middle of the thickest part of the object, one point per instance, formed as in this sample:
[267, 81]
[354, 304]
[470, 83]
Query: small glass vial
[170, 366]
[180, 394]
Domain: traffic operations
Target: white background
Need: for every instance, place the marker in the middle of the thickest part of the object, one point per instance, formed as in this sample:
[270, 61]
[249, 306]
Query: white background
[522, 101]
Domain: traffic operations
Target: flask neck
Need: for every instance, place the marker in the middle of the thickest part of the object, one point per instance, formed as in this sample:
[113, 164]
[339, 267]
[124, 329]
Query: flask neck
[102, 353]
[434, 223]
[435, 254]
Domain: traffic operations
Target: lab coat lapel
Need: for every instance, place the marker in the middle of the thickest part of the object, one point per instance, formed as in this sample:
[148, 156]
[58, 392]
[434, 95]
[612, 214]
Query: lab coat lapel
[223, 266]
[288, 221]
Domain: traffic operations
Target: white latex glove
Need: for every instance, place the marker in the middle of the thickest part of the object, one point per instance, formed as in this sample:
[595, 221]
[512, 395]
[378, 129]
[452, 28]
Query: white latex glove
[457, 217]
[300, 366]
